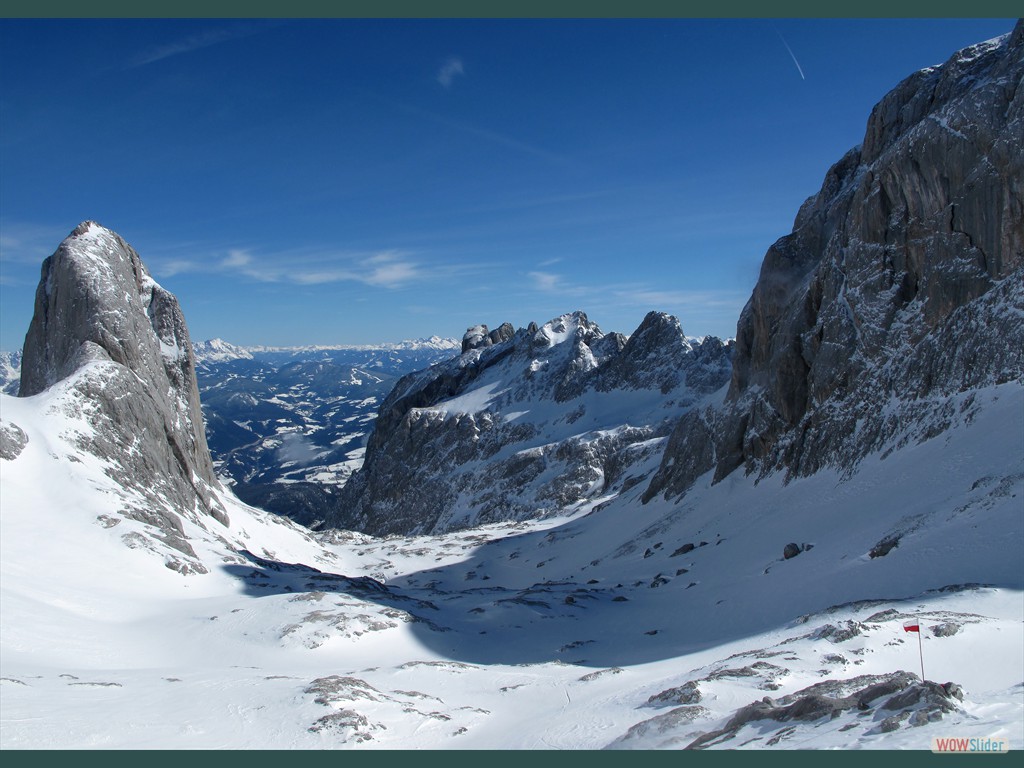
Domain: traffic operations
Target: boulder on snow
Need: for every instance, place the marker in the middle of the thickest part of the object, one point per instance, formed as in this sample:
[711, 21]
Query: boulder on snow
[687, 693]
[945, 629]
[885, 546]
[790, 551]
[833, 698]
[12, 440]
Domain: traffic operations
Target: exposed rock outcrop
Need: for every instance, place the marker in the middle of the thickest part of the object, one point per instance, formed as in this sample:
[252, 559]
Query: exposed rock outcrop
[901, 285]
[118, 340]
[527, 425]
[12, 440]
[478, 336]
[916, 701]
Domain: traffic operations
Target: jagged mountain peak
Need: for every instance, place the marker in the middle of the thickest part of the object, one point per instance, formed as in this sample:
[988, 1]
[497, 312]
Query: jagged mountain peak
[659, 329]
[572, 325]
[933, 93]
[96, 300]
[431, 342]
[218, 350]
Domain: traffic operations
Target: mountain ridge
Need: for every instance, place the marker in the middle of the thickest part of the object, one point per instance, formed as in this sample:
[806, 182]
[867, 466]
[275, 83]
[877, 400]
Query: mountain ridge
[543, 418]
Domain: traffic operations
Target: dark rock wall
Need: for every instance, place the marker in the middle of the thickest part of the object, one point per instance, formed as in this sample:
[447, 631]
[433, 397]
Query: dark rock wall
[901, 283]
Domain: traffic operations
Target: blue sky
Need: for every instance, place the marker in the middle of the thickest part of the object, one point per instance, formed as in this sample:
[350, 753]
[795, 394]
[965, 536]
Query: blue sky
[357, 181]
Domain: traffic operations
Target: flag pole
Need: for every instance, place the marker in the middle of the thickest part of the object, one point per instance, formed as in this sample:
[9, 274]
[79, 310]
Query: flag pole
[920, 651]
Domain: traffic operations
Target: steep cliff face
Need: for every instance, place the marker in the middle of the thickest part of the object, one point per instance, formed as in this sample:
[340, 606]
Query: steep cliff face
[527, 424]
[117, 341]
[901, 284]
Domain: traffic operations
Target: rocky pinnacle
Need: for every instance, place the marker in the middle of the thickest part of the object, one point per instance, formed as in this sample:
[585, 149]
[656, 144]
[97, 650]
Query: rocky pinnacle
[104, 327]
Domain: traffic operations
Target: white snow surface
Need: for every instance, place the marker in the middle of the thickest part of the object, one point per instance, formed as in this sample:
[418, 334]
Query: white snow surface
[541, 635]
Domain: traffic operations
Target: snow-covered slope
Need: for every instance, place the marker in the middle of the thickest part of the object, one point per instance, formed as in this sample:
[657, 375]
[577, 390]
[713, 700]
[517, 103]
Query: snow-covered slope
[620, 628]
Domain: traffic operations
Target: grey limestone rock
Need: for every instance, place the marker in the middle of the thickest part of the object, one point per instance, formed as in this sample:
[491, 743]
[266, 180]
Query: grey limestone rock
[103, 328]
[475, 338]
[830, 698]
[946, 629]
[662, 731]
[901, 283]
[687, 693]
[12, 440]
[504, 332]
[478, 336]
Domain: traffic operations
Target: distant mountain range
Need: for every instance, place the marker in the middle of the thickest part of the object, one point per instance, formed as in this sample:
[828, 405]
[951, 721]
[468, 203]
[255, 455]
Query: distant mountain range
[288, 426]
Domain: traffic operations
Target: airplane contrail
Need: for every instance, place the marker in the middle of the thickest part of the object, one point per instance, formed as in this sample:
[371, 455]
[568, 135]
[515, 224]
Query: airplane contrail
[792, 55]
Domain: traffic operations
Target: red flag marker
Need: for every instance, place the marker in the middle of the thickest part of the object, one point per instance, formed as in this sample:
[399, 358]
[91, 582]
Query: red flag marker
[914, 625]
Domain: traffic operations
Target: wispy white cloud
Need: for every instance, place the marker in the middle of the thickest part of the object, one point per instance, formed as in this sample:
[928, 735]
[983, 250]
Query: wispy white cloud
[25, 243]
[472, 130]
[236, 258]
[190, 43]
[451, 67]
[558, 285]
[660, 299]
[172, 267]
[700, 307]
[380, 269]
[390, 271]
[545, 281]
